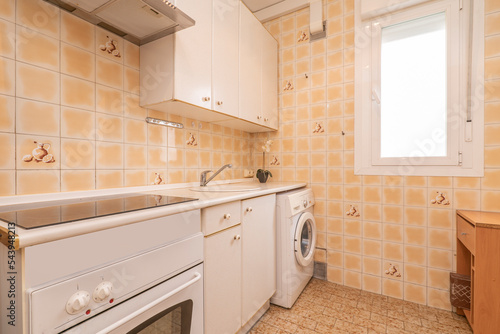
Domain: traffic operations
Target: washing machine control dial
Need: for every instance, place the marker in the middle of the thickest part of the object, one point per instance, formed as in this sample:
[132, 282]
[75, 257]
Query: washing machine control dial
[78, 302]
[304, 203]
[102, 291]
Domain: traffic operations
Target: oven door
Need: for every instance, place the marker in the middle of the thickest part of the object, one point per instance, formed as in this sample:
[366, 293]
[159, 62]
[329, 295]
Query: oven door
[172, 307]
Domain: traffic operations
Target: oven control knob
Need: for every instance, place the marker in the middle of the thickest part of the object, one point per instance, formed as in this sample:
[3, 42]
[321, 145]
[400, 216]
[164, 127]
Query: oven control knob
[78, 302]
[102, 292]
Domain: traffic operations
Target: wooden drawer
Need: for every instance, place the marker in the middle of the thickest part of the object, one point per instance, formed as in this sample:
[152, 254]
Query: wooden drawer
[220, 217]
[466, 233]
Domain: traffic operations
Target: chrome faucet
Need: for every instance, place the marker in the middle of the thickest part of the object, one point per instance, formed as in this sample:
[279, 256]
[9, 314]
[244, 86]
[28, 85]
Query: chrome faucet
[203, 176]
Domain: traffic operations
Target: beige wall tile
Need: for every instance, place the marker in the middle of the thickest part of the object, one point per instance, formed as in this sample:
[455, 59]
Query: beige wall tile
[77, 180]
[415, 274]
[492, 24]
[372, 284]
[438, 278]
[77, 32]
[335, 275]
[109, 73]
[7, 76]
[7, 38]
[135, 178]
[352, 262]
[491, 6]
[38, 152]
[77, 62]
[8, 10]
[415, 196]
[131, 55]
[440, 218]
[352, 279]
[352, 245]
[492, 113]
[7, 113]
[109, 128]
[392, 214]
[108, 45]
[415, 293]
[415, 255]
[131, 81]
[393, 233]
[467, 199]
[135, 131]
[373, 248]
[108, 156]
[7, 181]
[77, 123]
[77, 93]
[492, 157]
[36, 83]
[7, 151]
[37, 49]
[106, 179]
[415, 216]
[490, 201]
[38, 15]
[38, 182]
[392, 288]
[109, 100]
[133, 109]
[136, 157]
[415, 235]
[372, 266]
[77, 154]
[440, 259]
[37, 118]
[438, 299]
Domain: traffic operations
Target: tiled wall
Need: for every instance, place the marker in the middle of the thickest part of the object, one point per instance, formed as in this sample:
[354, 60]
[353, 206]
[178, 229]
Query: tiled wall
[70, 117]
[386, 234]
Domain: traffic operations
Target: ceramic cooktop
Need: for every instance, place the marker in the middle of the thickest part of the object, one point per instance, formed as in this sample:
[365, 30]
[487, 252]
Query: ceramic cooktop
[39, 216]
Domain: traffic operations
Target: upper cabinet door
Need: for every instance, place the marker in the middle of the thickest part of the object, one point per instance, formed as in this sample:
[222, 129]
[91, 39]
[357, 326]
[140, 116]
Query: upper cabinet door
[250, 67]
[193, 56]
[269, 80]
[226, 16]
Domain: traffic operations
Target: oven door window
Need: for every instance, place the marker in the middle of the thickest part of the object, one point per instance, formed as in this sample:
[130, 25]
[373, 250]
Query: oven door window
[175, 320]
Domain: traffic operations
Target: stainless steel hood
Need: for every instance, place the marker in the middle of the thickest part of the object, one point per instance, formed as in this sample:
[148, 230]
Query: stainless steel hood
[138, 21]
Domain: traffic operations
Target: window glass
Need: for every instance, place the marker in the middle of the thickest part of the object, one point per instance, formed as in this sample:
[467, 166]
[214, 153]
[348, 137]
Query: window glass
[413, 88]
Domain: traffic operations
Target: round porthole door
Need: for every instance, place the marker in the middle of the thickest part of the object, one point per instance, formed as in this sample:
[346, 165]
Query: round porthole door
[305, 239]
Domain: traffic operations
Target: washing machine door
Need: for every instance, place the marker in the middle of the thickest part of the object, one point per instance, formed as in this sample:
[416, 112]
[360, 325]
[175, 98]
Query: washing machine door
[305, 239]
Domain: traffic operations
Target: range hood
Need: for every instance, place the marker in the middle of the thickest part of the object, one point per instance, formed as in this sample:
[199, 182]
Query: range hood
[138, 21]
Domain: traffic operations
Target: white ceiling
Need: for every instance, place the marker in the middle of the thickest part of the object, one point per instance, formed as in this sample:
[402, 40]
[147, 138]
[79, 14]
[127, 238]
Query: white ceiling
[256, 5]
[266, 10]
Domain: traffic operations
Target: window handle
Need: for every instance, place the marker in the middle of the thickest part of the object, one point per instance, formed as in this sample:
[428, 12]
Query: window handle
[375, 96]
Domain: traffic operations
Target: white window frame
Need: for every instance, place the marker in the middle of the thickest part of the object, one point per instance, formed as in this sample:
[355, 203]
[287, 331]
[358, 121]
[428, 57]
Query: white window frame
[465, 139]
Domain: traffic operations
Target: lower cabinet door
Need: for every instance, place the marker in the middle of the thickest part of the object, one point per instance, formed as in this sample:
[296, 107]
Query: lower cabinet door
[258, 253]
[223, 281]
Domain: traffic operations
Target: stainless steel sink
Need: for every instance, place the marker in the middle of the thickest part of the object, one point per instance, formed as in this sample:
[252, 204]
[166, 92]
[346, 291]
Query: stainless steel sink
[227, 187]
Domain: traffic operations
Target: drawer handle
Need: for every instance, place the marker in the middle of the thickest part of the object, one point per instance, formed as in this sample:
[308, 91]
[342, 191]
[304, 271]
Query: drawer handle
[237, 237]
[249, 209]
[464, 233]
[227, 216]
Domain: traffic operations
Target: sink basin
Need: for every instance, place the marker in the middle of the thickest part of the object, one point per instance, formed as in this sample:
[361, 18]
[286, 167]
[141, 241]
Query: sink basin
[227, 187]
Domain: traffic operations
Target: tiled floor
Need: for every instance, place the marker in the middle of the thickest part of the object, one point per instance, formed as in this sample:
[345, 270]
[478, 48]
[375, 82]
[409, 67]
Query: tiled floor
[329, 308]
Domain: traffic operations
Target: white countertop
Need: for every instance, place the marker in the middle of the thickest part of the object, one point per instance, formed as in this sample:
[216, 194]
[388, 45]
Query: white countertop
[26, 238]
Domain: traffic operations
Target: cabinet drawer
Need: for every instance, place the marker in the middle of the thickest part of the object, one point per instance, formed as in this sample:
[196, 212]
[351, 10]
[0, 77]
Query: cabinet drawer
[466, 233]
[220, 217]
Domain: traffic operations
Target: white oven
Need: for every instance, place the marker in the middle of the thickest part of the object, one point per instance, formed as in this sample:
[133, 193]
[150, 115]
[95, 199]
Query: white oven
[156, 288]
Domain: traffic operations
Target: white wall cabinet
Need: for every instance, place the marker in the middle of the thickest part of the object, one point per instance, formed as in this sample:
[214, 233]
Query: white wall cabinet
[258, 253]
[240, 262]
[222, 292]
[197, 72]
[258, 72]
[225, 76]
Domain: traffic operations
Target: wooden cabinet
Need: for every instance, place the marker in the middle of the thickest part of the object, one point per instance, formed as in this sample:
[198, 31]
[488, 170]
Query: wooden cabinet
[258, 72]
[258, 253]
[222, 296]
[478, 255]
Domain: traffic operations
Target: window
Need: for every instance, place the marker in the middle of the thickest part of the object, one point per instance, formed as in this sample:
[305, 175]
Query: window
[416, 69]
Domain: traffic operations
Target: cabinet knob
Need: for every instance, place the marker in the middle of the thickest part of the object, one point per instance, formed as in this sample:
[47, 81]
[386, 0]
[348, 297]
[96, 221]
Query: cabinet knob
[227, 216]
[237, 237]
[259, 117]
[464, 233]
[266, 119]
[219, 103]
[249, 209]
[205, 99]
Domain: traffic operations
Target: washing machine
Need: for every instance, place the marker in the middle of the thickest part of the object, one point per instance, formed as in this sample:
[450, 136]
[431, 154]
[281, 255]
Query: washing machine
[296, 241]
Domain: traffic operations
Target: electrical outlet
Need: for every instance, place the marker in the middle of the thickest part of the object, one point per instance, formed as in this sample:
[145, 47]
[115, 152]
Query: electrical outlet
[248, 173]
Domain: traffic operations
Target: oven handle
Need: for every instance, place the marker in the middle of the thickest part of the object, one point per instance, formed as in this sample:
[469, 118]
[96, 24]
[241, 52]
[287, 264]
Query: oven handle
[143, 309]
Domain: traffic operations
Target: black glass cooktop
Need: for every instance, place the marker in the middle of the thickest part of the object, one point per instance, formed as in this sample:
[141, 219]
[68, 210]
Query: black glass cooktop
[40, 216]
